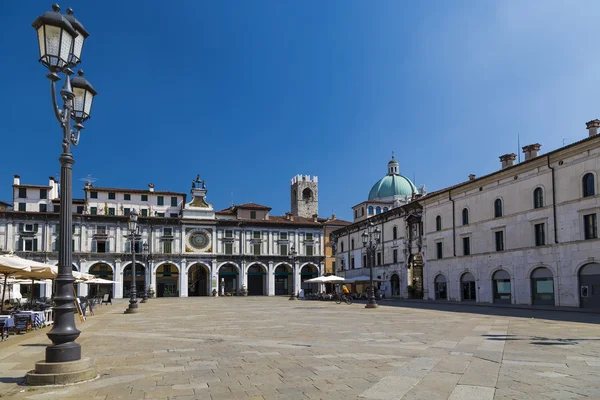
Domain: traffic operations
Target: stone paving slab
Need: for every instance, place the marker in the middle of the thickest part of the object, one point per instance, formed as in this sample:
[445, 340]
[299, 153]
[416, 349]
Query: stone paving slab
[272, 348]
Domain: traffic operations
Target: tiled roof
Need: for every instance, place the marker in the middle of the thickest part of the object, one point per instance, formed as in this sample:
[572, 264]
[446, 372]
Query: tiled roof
[33, 186]
[121, 190]
[253, 206]
[2, 203]
[337, 222]
[75, 201]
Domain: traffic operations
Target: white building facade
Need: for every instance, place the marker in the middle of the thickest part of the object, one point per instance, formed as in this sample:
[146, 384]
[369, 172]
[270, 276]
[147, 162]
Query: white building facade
[182, 248]
[526, 234]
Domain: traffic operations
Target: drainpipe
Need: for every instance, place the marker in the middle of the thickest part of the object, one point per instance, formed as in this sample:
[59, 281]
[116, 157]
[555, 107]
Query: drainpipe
[553, 201]
[453, 224]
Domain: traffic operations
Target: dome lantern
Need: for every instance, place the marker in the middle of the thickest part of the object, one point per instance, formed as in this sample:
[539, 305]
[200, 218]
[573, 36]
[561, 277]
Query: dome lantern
[393, 166]
[392, 186]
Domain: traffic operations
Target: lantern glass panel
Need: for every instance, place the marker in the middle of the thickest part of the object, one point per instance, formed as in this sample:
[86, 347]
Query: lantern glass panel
[65, 47]
[78, 102]
[76, 53]
[88, 103]
[132, 225]
[40, 32]
[52, 44]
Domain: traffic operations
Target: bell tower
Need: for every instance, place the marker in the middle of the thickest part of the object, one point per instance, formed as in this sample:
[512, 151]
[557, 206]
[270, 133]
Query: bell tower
[304, 196]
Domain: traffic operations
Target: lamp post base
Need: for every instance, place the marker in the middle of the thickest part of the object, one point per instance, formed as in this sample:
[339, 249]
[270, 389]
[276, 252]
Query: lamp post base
[143, 301]
[132, 310]
[293, 297]
[61, 373]
[372, 305]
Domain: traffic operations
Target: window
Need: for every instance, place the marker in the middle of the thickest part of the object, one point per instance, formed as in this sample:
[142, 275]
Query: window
[144, 197]
[385, 209]
[439, 248]
[342, 247]
[111, 211]
[167, 247]
[22, 207]
[101, 246]
[590, 226]
[111, 195]
[540, 234]
[144, 212]
[100, 230]
[395, 233]
[538, 198]
[364, 264]
[333, 266]
[497, 208]
[395, 256]
[167, 231]
[352, 262]
[371, 210]
[43, 193]
[466, 246]
[587, 181]
[283, 250]
[126, 211]
[499, 240]
[309, 250]
[93, 195]
[173, 201]
[252, 214]
[30, 228]
[352, 244]
[93, 210]
[56, 208]
[378, 210]
[362, 211]
[160, 215]
[257, 249]
[43, 207]
[79, 209]
[173, 215]
[256, 235]
[283, 235]
[30, 244]
[438, 223]
[465, 216]
[127, 197]
[160, 200]
[378, 258]
[309, 237]
[22, 193]
[228, 248]
[355, 214]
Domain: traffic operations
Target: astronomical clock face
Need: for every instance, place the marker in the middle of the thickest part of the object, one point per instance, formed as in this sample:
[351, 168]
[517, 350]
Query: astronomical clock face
[198, 240]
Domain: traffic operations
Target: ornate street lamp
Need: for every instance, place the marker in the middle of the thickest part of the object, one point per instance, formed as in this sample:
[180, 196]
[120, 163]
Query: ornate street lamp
[132, 226]
[57, 34]
[145, 249]
[292, 255]
[371, 239]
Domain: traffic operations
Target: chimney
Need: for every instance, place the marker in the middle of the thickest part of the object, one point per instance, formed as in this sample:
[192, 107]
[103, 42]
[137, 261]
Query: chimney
[289, 216]
[471, 177]
[508, 160]
[151, 187]
[17, 180]
[531, 151]
[333, 217]
[315, 218]
[593, 126]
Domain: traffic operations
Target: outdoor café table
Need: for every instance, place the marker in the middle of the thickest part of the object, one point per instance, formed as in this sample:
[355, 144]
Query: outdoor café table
[8, 323]
[38, 318]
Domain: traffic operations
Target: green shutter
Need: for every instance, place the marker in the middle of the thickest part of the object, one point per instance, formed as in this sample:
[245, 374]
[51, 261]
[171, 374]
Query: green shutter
[35, 242]
[21, 227]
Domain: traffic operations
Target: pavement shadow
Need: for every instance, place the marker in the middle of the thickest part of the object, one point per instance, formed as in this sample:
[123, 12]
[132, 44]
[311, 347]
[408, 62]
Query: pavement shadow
[543, 341]
[558, 315]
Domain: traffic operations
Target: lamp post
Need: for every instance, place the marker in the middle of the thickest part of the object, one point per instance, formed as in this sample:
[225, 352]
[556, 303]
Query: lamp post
[60, 41]
[132, 225]
[147, 258]
[292, 255]
[370, 240]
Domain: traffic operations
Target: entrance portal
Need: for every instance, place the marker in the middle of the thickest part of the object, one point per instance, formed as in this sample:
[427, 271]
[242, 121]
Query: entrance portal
[228, 278]
[542, 287]
[467, 283]
[198, 280]
[589, 286]
[283, 280]
[167, 281]
[257, 278]
[502, 287]
[140, 280]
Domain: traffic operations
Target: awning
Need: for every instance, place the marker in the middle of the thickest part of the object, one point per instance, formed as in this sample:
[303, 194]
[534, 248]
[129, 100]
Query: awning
[325, 279]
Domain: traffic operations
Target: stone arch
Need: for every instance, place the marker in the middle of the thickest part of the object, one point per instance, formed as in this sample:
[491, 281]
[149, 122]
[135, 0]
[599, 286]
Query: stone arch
[289, 264]
[283, 273]
[307, 194]
[501, 286]
[395, 284]
[495, 206]
[224, 263]
[199, 278]
[309, 270]
[228, 276]
[257, 278]
[127, 278]
[99, 290]
[595, 181]
[167, 279]
[536, 266]
[533, 196]
[440, 283]
[468, 285]
[588, 276]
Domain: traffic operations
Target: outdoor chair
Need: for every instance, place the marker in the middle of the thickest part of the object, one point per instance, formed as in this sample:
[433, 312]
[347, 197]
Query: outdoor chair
[22, 324]
[106, 299]
[3, 330]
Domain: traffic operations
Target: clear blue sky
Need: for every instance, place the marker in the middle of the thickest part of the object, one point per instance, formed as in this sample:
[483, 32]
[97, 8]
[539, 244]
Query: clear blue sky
[248, 94]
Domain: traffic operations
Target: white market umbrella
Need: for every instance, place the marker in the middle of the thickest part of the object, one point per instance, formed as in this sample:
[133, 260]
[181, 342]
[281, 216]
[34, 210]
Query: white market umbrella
[99, 281]
[363, 278]
[325, 279]
[10, 265]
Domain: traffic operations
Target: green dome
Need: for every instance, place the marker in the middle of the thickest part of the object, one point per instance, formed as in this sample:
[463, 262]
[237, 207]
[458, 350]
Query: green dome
[392, 185]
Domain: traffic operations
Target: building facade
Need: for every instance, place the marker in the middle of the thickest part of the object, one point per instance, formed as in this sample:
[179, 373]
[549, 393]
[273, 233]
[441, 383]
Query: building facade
[183, 248]
[525, 234]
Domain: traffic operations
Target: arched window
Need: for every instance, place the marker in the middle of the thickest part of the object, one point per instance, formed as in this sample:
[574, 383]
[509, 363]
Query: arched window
[352, 245]
[497, 208]
[355, 214]
[385, 209]
[342, 246]
[538, 198]
[588, 185]
[307, 194]
[370, 210]
[465, 216]
[378, 210]
[395, 233]
[438, 223]
[362, 211]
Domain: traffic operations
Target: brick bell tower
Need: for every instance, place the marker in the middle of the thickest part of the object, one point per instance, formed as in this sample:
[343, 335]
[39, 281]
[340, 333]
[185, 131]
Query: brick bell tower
[304, 197]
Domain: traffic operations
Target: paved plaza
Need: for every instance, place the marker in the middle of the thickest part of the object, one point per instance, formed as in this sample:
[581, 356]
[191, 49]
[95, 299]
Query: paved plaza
[272, 348]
